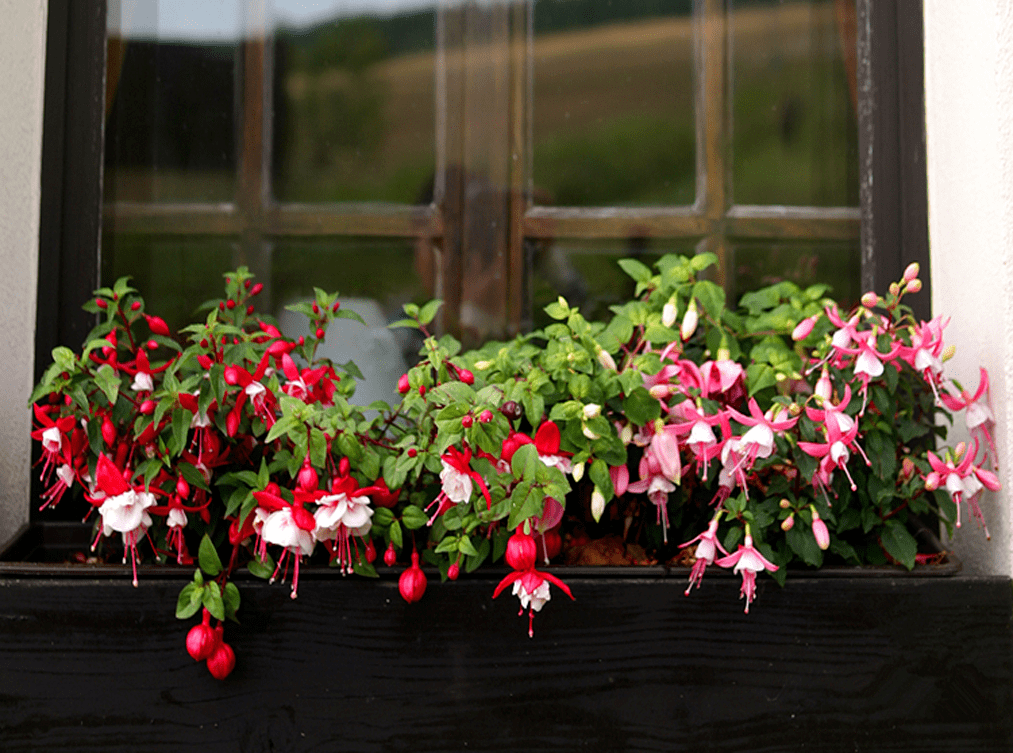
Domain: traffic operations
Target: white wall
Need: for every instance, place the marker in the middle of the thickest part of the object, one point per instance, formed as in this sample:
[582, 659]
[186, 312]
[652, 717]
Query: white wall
[22, 60]
[969, 123]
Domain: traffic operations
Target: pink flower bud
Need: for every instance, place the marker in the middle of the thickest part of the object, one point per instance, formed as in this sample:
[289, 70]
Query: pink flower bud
[485, 416]
[307, 480]
[820, 532]
[870, 299]
[467, 421]
[606, 360]
[932, 482]
[255, 290]
[453, 571]
[521, 551]
[784, 504]
[412, 583]
[788, 523]
[147, 407]
[894, 288]
[823, 387]
[465, 376]
[803, 329]
[101, 303]
[403, 385]
[157, 325]
[911, 272]
[222, 661]
[390, 556]
[202, 640]
[660, 391]
[182, 488]
[914, 286]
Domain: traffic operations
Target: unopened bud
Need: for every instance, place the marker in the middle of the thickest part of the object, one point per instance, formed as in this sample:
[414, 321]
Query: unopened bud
[689, 321]
[820, 532]
[588, 432]
[597, 504]
[390, 556]
[803, 329]
[958, 451]
[894, 288]
[914, 286]
[578, 471]
[592, 410]
[668, 313]
[485, 416]
[660, 391]
[788, 523]
[606, 359]
[453, 571]
[482, 365]
[402, 384]
[870, 299]
[911, 272]
[823, 387]
[948, 352]
[626, 435]
[785, 503]
[932, 482]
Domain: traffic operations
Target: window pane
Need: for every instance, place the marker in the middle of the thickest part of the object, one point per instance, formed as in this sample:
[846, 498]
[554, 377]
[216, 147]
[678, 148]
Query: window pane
[354, 102]
[174, 275]
[794, 124]
[375, 277]
[838, 265]
[587, 273]
[170, 101]
[613, 116]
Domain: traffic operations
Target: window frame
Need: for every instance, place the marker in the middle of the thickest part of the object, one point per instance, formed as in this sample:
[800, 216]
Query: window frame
[892, 215]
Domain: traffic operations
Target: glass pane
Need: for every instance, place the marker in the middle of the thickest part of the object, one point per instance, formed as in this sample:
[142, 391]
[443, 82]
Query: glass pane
[170, 101]
[354, 101]
[794, 123]
[375, 277]
[587, 273]
[839, 265]
[174, 275]
[613, 115]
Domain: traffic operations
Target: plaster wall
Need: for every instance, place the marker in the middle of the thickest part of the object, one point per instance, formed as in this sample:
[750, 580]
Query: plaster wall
[969, 130]
[22, 60]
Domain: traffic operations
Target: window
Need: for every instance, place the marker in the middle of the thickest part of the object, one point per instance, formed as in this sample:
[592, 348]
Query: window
[491, 154]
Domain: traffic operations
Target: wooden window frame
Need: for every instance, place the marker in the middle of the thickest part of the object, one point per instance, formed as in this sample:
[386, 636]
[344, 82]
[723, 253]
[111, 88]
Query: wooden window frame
[890, 224]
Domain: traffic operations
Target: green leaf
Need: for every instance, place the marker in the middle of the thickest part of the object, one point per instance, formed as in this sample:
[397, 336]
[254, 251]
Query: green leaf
[193, 476]
[213, 601]
[900, 544]
[395, 535]
[230, 596]
[108, 382]
[803, 543]
[413, 517]
[640, 407]
[363, 568]
[635, 269]
[600, 477]
[263, 569]
[465, 546]
[710, 296]
[180, 426]
[759, 376]
[428, 312]
[208, 556]
[524, 463]
[189, 601]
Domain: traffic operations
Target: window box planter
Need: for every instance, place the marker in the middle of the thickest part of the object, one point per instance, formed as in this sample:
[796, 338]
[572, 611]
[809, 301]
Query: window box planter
[879, 659]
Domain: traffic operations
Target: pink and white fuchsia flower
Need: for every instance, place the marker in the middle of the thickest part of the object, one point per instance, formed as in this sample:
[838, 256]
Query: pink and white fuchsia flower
[748, 561]
[706, 551]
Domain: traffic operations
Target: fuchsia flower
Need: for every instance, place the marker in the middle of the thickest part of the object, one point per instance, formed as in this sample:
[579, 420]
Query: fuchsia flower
[963, 480]
[868, 364]
[531, 587]
[979, 418]
[123, 508]
[834, 453]
[552, 516]
[748, 561]
[926, 350]
[660, 471]
[758, 442]
[701, 439]
[51, 434]
[343, 512]
[706, 551]
[455, 479]
[261, 398]
[287, 524]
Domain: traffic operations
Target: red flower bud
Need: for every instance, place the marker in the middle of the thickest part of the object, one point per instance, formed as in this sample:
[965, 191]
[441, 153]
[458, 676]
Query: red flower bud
[157, 325]
[222, 661]
[302, 340]
[221, 306]
[467, 420]
[246, 284]
[202, 640]
[390, 556]
[182, 488]
[336, 306]
[412, 583]
[422, 390]
[344, 466]
[412, 452]
[108, 432]
[147, 407]
[204, 361]
[465, 376]
[521, 551]
[255, 290]
[485, 416]
[230, 304]
[152, 344]
[135, 306]
[453, 571]
[100, 302]
[402, 384]
[316, 309]
[204, 342]
[512, 410]
[249, 309]
[307, 479]
[320, 333]
[370, 551]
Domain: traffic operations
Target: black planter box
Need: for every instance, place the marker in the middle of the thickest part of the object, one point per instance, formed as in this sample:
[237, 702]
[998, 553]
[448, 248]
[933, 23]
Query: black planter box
[885, 662]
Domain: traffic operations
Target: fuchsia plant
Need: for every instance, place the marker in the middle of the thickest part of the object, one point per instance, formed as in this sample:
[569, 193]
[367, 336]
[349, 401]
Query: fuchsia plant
[240, 444]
